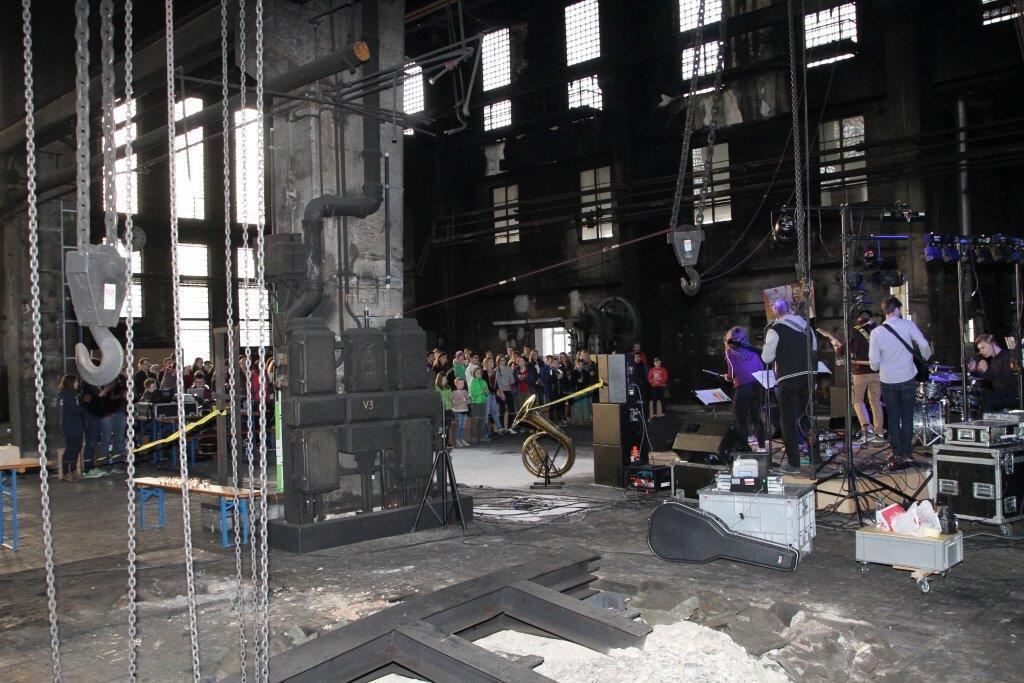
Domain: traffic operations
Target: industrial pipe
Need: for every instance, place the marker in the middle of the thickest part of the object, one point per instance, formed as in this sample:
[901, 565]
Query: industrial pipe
[360, 206]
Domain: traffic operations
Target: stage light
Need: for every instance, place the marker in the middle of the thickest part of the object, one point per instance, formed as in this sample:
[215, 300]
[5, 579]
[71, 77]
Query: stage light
[872, 257]
[983, 255]
[854, 280]
[933, 247]
[1005, 249]
[784, 229]
[902, 213]
[952, 247]
[888, 278]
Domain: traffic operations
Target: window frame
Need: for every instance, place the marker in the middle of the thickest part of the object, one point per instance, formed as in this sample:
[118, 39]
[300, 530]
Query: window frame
[505, 215]
[582, 24]
[845, 158]
[600, 195]
[721, 180]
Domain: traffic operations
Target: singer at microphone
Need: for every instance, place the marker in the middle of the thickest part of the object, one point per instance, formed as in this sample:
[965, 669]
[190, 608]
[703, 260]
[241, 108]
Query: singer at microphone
[742, 362]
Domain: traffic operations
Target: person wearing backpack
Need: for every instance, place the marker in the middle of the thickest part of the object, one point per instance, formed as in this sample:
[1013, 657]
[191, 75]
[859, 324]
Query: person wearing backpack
[896, 349]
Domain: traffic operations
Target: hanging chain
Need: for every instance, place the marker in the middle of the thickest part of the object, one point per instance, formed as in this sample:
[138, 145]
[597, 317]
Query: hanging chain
[243, 204]
[794, 101]
[229, 300]
[261, 288]
[129, 345]
[107, 118]
[716, 101]
[82, 120]
[684, 160]
[37, 334]
[186, 513]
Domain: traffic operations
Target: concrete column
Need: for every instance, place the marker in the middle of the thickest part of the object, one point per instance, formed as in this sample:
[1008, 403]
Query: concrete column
[17, 323]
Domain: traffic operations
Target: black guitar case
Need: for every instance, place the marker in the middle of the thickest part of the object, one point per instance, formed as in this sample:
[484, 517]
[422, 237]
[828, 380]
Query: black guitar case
[680, 533]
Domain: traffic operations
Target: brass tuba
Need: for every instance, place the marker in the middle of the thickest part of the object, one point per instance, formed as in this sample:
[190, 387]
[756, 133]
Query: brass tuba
[548, 445]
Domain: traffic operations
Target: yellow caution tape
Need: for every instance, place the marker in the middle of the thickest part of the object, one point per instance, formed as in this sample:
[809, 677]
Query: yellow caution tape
[572, 395]
[177, 435]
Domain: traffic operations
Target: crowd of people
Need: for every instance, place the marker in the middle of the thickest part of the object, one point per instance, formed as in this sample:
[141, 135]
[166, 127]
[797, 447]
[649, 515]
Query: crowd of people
[488, 390]
[94, 420]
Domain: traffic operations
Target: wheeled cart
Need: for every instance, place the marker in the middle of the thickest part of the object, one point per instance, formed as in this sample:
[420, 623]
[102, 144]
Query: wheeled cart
[923, 556]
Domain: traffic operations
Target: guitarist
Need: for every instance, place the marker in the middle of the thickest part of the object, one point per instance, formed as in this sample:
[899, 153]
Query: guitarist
[865, 380]
[785, 344]
[891, 352]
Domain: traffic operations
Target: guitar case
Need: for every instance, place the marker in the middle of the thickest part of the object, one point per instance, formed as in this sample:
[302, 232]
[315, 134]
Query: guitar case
[679, 533]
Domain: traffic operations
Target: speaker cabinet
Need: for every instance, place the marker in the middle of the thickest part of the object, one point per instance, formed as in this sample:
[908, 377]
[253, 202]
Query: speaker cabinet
[609, 464]
[612, 369]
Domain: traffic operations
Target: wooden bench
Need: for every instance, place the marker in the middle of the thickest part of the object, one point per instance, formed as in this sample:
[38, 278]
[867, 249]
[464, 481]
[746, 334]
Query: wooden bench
[9, 491]
[154, 487]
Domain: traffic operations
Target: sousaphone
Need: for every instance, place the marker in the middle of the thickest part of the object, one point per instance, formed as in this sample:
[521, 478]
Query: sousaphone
[548, 444]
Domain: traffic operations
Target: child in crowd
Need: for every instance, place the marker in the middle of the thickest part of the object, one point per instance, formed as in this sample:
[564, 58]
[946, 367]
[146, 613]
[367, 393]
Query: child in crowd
[72, 424]
[459, 368]
[657, 378]
[478, 394]
[199, 389]
[460, 406]
[150, 392]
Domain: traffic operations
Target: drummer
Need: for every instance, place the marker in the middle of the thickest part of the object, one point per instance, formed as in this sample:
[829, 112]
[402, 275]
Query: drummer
[994, 367]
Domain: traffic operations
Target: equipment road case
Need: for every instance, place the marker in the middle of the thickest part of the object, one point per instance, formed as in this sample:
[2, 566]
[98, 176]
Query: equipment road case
[983, 484]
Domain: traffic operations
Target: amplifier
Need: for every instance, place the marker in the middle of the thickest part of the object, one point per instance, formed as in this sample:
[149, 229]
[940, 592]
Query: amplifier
[983, 433]
[648, 477]
[985, 484]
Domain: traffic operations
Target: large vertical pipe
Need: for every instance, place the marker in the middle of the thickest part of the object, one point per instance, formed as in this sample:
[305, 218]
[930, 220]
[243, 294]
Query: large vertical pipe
[963, 200]
[962, 277]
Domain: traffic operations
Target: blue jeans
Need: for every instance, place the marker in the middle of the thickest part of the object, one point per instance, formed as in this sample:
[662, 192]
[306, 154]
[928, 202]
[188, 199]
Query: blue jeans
[492, 413]
[899, 406]
[93, 427]
[460, 426]
[112, 433]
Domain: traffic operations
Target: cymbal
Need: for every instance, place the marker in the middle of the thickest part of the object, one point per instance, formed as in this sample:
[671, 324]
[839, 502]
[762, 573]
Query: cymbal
[944, 377]
[935, 367]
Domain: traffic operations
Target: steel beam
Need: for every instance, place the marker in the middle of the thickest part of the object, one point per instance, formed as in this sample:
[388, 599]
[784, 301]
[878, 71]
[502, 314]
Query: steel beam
[430, 635]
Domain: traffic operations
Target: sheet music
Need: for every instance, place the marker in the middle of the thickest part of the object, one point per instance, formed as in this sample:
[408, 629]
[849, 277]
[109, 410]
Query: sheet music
[766, 378]
[712, 396]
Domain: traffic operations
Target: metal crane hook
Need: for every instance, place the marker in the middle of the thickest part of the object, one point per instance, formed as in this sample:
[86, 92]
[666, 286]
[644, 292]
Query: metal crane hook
[111, 358]
[692, 285]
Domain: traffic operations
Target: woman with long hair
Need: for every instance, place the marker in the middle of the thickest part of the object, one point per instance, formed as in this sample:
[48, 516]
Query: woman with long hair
[742, 363]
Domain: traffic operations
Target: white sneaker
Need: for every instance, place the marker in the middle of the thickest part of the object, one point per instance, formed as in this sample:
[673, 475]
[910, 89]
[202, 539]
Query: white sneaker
[512, 431]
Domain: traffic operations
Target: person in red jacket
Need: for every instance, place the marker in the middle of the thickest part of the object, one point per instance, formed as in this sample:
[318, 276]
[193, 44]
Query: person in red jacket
[657, 379]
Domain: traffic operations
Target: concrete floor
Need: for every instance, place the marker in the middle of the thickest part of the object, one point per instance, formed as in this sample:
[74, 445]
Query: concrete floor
[848, 626]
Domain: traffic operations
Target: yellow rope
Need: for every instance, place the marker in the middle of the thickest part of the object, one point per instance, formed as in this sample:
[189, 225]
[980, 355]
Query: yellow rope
[188, 428]
[572, 395]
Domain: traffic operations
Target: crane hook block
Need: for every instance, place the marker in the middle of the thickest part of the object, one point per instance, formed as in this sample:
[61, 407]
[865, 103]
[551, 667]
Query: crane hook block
[691, 281]
[96, 279]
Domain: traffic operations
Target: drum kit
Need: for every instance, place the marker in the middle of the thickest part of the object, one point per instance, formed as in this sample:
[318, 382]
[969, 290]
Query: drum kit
[940, 400]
